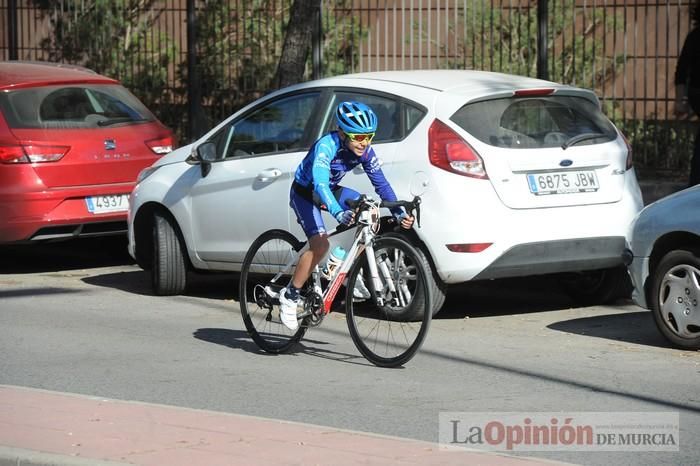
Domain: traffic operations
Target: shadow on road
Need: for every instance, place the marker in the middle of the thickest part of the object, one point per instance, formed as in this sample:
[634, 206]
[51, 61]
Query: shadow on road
[22, 292]
[630, 327]
[238, 339]
[211, 286]
[504, 297]
[137, 281]
[81, 253]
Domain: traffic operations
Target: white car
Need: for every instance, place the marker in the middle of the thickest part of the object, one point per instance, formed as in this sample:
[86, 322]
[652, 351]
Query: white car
[518, 177]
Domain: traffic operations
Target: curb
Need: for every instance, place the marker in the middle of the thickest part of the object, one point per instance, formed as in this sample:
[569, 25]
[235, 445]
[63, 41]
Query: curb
[10, 456]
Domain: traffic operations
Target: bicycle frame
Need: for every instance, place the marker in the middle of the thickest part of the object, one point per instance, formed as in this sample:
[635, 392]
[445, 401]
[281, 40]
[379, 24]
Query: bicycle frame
[363, 243]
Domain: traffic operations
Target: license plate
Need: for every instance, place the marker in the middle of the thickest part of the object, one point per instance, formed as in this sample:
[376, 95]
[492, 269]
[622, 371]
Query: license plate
[562, 182]
[108, 203]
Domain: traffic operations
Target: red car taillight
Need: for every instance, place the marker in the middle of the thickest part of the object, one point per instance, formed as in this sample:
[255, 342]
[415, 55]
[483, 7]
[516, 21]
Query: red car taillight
[468, 247]
[448, 151]
[161, 146]
[533, 92]
[31, 153]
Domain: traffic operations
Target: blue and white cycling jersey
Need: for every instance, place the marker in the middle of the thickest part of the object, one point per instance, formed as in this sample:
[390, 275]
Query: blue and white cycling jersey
[327, 163]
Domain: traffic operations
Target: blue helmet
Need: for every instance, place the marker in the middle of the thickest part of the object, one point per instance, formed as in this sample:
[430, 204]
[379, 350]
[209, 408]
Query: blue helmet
[356, 117]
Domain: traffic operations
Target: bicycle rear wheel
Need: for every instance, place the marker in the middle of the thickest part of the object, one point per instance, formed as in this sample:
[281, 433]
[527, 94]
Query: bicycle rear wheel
[389, 335]
[269, 255]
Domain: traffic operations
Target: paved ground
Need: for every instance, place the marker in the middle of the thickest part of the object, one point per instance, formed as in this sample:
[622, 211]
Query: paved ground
[42, 428]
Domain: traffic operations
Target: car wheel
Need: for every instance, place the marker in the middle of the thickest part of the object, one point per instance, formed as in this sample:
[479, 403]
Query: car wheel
[597, 286]
[169, 270]
[438, 288]
[674, 299]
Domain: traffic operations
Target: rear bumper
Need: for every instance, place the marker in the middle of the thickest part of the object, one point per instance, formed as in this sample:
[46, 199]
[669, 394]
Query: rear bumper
[58, 214]
[522, 242]
[557, 256]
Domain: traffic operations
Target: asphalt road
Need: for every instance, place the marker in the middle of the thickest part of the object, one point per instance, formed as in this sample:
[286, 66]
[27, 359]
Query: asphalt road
[79, 317]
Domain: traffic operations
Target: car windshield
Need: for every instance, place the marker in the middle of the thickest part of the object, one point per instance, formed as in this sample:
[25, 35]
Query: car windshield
[72, 107]
[536, 122]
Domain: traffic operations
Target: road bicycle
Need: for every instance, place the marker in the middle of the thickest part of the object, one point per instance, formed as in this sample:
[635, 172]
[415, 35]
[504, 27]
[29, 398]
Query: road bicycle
[387, 294]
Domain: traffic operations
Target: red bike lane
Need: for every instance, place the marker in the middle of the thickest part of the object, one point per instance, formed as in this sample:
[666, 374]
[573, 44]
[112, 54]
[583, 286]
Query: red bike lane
[41, 428]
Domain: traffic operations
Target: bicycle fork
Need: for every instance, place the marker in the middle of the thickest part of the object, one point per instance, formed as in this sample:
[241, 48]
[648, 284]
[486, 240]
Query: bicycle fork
[379, 267]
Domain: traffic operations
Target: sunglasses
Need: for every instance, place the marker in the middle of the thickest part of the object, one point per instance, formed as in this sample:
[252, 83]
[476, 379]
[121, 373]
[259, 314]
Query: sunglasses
[364, 137]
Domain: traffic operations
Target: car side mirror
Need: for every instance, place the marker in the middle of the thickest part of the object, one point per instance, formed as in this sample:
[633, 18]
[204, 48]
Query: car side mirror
[204, 155]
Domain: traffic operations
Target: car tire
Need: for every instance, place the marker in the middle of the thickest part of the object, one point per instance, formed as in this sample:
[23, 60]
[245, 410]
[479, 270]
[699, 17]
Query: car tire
[438, 288]
[597, 286]
[169, 269]
[675, 298]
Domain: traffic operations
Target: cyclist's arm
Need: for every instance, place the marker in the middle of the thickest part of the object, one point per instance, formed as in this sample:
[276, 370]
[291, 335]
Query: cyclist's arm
[379, 181]
[321, 172]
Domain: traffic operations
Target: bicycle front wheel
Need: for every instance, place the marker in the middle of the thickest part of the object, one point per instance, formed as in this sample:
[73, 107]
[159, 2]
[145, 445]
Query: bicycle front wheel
[389, 335]
[273, 255]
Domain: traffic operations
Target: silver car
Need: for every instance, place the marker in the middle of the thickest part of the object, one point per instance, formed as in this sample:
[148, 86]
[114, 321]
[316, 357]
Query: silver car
[664, 264]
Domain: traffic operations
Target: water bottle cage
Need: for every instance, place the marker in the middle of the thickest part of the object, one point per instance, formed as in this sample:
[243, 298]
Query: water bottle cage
[330, 270]
[335, 260]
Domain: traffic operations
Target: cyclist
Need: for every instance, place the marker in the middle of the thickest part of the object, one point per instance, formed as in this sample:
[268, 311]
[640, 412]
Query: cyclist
[316, 187]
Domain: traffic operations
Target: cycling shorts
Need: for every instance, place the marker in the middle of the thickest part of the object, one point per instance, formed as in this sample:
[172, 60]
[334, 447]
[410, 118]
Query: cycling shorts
[307, 207]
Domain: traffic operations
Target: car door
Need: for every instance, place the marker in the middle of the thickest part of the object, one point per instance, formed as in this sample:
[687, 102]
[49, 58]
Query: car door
[246, 192]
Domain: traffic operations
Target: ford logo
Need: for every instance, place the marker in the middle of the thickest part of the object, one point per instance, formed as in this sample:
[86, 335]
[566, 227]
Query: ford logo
[110, 144]
[565, 163]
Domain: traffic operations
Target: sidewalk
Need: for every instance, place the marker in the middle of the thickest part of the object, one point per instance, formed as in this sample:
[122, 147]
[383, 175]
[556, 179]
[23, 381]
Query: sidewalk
[43, 428]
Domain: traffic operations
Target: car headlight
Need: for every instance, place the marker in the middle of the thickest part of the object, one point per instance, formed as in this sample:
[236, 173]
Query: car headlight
[145, 173]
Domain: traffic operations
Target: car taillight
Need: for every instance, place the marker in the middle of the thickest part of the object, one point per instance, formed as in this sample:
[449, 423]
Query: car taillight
[628, 162]
[161, 146]
[448, 151]
[468, 247]
[32, 153]
[12, 154]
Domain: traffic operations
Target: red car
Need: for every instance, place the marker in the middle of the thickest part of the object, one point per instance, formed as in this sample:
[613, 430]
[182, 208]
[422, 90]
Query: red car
[72, 143]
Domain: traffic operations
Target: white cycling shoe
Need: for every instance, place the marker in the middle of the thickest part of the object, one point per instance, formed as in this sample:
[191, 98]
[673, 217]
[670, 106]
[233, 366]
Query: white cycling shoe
[288, 311]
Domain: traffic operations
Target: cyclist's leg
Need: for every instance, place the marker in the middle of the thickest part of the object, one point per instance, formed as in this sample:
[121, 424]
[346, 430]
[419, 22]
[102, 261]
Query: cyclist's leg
[343, 194]
[311, 221]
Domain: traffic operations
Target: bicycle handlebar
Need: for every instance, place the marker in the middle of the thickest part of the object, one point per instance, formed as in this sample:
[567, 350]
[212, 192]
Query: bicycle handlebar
[413, 207]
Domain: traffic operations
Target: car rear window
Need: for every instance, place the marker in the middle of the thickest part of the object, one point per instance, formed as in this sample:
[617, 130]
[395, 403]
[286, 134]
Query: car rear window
[535, 122]
[73, 106]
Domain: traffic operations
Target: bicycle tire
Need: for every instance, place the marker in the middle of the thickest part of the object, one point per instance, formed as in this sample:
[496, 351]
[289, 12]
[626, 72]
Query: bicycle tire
[265, 257]
[390, 336]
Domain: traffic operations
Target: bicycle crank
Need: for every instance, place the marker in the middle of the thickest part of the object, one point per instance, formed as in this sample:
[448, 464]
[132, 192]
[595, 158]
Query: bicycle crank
[313, 310]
